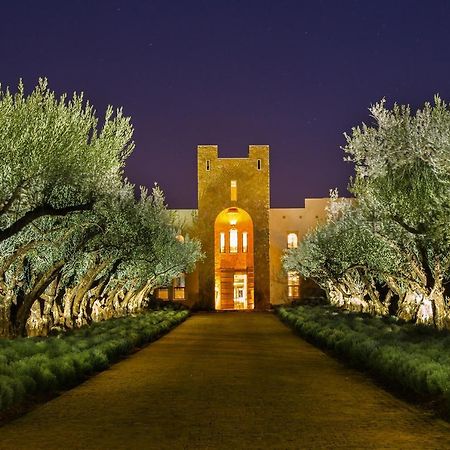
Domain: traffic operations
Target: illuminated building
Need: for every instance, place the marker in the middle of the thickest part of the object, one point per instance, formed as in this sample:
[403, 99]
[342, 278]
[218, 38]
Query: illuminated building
[242, 237]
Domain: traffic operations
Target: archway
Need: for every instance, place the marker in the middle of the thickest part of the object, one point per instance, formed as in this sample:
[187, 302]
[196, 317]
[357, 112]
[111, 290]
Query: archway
[233, 260]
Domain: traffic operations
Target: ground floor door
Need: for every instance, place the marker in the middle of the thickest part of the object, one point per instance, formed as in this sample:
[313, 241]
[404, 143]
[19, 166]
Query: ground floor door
[234, 289]
[240, 290]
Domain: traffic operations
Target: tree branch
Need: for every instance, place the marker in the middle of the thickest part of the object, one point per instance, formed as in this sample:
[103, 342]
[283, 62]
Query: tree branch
[15, 195]
[419, 230]
[40, 211]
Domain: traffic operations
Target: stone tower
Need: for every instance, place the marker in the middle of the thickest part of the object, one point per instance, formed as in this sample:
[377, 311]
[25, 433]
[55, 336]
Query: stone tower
[233, 226]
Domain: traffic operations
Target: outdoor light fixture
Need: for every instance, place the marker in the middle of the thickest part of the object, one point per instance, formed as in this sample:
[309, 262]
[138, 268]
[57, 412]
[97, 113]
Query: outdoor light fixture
[233, 214]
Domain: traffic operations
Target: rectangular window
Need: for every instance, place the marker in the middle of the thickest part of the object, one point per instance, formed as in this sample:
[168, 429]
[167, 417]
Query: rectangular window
[293, 292]
[244, 242]
[233, 240]
[293, 285]
[222, 242]
[208, 164]
[258, 164]
[179, 287]
[180, 281]
[233, 190]
[162, 294]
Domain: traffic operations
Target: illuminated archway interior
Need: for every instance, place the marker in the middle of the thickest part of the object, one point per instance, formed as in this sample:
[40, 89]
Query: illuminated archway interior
[233, 260]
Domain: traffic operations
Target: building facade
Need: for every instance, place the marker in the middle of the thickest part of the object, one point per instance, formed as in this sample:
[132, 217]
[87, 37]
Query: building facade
[243, 238]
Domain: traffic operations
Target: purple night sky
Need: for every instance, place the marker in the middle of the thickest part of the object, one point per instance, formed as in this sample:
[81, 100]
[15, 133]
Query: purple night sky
[291, 74]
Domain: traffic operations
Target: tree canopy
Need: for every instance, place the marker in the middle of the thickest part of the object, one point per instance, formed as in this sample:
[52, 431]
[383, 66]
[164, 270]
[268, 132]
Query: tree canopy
[390, 252]
[75, 243]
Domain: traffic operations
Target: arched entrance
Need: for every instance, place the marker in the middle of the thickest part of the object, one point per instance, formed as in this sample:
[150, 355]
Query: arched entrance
[233, 260]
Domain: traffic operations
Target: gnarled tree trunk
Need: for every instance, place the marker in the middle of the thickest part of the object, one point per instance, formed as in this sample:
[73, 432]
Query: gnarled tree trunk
[25, 302]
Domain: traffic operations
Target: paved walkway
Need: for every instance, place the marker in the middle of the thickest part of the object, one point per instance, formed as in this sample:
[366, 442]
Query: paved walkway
[231, 380]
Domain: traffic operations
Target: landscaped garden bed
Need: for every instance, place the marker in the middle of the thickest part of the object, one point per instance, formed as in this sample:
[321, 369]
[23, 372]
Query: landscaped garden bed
[36, 366]
[411, 358]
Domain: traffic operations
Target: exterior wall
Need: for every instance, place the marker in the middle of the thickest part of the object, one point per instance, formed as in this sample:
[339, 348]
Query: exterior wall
[253, 195]
[186, 220]
[282, 222]
[271, 226]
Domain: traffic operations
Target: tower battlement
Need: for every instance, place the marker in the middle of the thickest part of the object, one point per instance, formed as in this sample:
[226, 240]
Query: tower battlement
[242, 183]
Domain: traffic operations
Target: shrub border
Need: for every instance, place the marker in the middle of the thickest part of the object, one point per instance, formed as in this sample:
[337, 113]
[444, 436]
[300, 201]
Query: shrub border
[34, 385]
[365, 356]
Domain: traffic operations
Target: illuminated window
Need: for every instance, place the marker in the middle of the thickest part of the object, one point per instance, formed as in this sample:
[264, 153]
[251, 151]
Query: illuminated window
[244, 242]
[233, 240]
[180, 281]
[292, 240]
[222, 242]
[179, 284]
[293, 285]
[233, 190]
[162, 293]
[258, 164]
[208, 164]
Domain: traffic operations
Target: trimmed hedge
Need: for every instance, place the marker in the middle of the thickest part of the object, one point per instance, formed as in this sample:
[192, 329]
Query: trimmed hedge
[43, 365]
[413, 358]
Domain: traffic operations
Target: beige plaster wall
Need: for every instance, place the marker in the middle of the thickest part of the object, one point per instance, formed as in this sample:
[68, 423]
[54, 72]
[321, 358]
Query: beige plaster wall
[282, 222]
[185, 220]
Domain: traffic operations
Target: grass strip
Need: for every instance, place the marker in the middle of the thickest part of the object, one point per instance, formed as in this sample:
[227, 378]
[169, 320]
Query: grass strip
[412, 358]
[32, 366]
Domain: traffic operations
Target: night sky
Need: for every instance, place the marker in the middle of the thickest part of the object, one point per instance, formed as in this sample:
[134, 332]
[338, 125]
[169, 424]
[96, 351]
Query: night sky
[291, 74]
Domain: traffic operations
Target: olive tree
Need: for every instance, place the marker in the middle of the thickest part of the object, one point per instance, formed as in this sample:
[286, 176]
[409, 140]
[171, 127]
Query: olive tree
[395, 241]
[347, 259]
[95, 265]
[75, 244]
[56, 159]
[402, 181]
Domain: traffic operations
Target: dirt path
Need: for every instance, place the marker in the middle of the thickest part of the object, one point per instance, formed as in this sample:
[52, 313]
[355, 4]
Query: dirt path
[233, 380]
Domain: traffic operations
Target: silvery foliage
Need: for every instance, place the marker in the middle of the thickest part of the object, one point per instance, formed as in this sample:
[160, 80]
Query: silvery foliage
[165, 257]
[402, 180]
[398, 138]
[54, 152]
[342, 246]
[402, 162]
[399, 225]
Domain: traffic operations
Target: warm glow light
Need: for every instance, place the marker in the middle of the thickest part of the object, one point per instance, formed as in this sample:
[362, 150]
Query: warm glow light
[233, 190]
[292, 240]
[233, 215]
[293, 285]
[233, 240]
[163, 294]
[240, 291]
[222, 242]
[217, 292]
[180, 281]
[233, 260]
[293, 278]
